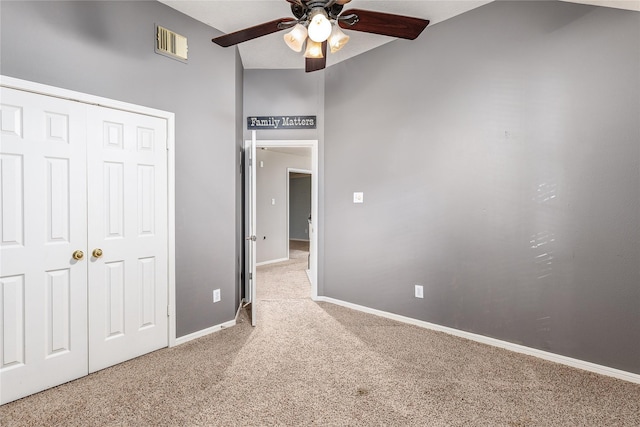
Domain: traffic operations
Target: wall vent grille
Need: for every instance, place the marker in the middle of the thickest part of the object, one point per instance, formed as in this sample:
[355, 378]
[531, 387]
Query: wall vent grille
[171, 44]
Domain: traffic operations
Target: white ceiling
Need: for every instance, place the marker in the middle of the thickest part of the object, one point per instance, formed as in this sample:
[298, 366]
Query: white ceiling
[270, 52]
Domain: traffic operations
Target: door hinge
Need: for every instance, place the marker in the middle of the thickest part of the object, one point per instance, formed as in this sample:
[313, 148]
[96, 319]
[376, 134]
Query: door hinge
[250, 276]
[168, 311]
[250, 162]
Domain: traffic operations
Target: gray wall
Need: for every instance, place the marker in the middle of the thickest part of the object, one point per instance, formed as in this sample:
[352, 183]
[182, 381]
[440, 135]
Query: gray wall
[271, 183]
[499, 155]
[284, 92]
[106, 49]
[299, 207]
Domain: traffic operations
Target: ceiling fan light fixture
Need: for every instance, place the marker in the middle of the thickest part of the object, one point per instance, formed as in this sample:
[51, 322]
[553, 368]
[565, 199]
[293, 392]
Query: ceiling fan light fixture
[318, 18]
[319, 26]
[337, 39]
[296, 37]
[314, 49]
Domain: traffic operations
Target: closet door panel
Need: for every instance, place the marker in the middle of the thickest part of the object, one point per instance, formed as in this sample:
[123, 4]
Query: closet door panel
[128, 286]
[43, 222]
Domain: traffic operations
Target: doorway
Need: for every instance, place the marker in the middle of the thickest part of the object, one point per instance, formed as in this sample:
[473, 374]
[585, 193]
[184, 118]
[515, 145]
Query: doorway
[251, 146]
[298, 210]
[313, 226]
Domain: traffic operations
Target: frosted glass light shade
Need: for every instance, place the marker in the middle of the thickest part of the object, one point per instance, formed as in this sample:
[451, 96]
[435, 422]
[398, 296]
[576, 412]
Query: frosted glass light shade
[296, 37]
[319, 27]
[337, 39]
[314, 49]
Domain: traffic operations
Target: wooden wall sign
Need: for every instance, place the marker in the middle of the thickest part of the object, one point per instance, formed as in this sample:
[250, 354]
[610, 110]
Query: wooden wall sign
[280, 122]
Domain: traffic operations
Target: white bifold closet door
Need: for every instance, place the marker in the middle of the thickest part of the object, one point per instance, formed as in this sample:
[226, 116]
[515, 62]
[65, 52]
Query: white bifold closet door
[127, 176]
[83, 273]
[44, 220]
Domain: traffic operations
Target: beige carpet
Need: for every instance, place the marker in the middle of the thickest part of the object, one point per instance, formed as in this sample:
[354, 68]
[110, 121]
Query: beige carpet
[319, 364]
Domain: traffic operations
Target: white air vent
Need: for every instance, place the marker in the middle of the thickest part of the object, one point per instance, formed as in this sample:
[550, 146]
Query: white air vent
[171, 44]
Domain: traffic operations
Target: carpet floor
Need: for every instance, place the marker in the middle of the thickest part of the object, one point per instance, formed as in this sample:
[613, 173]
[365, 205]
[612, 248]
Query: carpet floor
[309, 363]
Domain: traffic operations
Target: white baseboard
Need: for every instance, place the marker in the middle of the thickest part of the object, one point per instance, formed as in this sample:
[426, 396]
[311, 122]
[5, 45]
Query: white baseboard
[205, 332]
[568, 361]
[298, 240]
[273, 261]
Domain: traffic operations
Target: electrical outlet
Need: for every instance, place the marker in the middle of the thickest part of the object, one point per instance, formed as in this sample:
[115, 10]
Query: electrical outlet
[216, 295]
[419, 292]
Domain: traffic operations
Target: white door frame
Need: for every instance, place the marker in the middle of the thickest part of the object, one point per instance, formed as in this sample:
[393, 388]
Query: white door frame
[294, 170]
[71, 95]
[313, 231]
[250, 224]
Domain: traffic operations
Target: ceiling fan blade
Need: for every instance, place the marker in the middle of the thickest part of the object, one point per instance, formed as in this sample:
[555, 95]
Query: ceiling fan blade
[316, 64]
[386, 24]
[250, 33]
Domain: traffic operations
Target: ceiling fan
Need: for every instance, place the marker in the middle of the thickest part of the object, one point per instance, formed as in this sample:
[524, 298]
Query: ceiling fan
[319, 23]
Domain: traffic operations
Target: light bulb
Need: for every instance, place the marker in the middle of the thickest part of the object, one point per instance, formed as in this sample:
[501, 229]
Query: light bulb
[337, 39]
[314, 49]
[296, 37]
[319, 26]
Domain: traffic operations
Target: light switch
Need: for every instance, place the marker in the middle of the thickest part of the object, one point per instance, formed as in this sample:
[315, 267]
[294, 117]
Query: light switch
[358, 197]
[273, 202]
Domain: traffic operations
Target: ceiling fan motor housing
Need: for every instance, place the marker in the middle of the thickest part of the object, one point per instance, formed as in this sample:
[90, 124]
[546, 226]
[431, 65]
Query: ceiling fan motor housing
[303, 11]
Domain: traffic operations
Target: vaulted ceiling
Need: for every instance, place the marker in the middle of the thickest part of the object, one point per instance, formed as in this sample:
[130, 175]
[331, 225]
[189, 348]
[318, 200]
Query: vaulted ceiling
[270, 52]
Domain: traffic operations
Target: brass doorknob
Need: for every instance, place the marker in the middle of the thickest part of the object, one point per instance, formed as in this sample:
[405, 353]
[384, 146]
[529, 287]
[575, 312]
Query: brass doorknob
[97, 253]
[78, 255]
